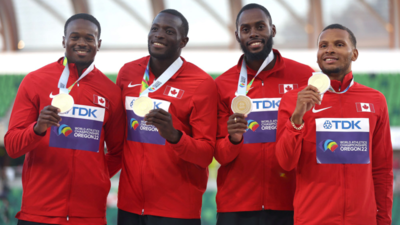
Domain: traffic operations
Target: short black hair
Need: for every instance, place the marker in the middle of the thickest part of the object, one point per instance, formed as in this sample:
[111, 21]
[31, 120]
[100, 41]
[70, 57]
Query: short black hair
[83, 16]
[341, 27]
[254, 6]
[185, 24]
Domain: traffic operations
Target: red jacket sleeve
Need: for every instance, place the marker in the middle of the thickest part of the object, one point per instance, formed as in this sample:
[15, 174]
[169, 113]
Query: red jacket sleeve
[289, 140]
[20, 137]
[199, 147]
[382, 160]
[115, 135]
[225, 151]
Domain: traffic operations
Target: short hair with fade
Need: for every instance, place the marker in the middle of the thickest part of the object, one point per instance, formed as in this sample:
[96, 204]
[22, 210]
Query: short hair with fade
[185, 24]
[254, 6]
[341, 27]
[83, 16]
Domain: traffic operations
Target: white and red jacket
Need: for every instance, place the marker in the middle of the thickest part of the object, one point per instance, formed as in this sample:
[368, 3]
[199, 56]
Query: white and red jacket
[250, 178]
[60, 185]
[343, 193]
[164, 179]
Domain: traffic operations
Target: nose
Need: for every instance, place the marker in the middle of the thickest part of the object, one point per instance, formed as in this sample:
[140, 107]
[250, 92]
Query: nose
[81, 42]
[253, 33]
[330, 48]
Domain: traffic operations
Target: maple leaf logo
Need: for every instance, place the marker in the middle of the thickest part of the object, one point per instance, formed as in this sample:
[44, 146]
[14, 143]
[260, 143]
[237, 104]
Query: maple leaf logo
[101, 101]
[174, 92]
[365, 107]
[288, 88]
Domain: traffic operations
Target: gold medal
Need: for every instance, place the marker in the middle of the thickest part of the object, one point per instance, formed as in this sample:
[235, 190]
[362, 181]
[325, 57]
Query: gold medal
[241, 104]
[142, 106]
[320, 81]
[63, 101]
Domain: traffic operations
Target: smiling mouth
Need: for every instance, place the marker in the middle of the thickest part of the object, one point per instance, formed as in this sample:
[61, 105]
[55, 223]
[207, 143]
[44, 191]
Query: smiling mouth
[330, 60]
[158, 44]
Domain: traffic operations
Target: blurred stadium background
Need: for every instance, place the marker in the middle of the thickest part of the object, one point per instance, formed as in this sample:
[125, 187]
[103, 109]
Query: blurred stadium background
[31, 33]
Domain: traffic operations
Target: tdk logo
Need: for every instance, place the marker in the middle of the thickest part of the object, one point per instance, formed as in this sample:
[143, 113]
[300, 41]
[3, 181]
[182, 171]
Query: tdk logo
[267, 104]
[84, 112]
[157, 105]
[342, 124]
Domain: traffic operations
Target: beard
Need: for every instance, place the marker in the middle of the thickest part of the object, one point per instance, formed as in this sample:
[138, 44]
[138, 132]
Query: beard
[263, 54]
[331, 71]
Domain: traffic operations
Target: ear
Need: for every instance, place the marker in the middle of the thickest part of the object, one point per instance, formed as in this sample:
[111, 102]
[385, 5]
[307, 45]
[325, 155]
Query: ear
[237, 37]
[184, 42]
[273, 30]
[354, 55]
[63, 42]
[99, 45]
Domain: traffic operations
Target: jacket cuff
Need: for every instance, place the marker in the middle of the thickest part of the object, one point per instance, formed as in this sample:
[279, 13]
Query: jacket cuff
[180, 146]
[32, 135]
[290, 127]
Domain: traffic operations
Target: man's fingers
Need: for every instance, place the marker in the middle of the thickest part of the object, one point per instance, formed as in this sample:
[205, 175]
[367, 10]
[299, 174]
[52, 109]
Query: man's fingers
[51, 116]
[237, 131]
[237, 126]
[52, 108]
[312, 88]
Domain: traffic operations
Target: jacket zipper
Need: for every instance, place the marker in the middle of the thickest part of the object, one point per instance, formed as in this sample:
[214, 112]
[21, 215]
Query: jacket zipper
[263, 158]
[70, 186]
[344, 192]
[142, 183]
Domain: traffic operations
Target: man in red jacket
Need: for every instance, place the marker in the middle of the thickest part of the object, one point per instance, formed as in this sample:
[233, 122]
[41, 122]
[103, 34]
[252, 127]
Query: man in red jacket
[252, 187]
[166, 152]
[66, 175]
[339, 143]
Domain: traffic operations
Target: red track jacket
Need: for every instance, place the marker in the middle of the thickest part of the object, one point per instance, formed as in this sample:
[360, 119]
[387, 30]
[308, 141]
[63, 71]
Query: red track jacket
[63, 183]
[329, 192]
[250, 178]
[159, 178]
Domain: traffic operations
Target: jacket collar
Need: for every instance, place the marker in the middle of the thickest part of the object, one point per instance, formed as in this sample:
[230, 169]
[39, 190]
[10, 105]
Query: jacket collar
[279, 65]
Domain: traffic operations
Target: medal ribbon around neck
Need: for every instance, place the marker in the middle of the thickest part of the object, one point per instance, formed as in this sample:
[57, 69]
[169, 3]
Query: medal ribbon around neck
[165, 76]
[62, 83]
[341, 92]
[243, 87]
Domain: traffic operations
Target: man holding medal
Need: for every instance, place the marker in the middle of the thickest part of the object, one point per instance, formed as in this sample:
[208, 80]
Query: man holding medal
[336, 134]
[252, 187]
[171, 112]
[61, 117]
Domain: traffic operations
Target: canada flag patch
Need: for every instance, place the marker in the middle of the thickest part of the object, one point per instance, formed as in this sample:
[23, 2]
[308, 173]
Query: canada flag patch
[101, 101]
[365, 107]
[283, 88]
[174, 92]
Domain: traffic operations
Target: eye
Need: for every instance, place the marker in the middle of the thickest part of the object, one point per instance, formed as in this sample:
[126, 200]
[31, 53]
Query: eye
[261, 27]
[340, 45]
[154, 29]
[245, 29]
[89, 39]
[169, 32]
[74, 37]
[322, 45]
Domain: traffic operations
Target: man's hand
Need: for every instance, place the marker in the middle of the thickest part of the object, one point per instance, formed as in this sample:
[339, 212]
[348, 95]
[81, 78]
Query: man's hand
[237, 125]
[306, 99]
[48, 117]
[162, 120]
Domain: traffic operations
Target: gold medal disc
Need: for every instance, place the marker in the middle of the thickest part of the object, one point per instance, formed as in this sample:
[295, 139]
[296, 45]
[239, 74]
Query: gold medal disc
[142, 106]
[320, 81]
[63, 101]
[241, 104]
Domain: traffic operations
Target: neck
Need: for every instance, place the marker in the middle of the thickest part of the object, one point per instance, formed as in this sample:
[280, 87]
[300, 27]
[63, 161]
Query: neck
[338, 76]
[255, 65]
[158, 66]
[81, 67]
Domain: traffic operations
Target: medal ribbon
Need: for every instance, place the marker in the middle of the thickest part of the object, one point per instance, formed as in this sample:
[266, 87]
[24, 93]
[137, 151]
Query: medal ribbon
[62, 83]
[341, 92]
[243, 87]
[165, 76]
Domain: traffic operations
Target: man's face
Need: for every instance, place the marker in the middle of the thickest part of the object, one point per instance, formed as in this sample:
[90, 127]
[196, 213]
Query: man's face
[165, 39]
[81, 42]
[255, 34]
[335, 52]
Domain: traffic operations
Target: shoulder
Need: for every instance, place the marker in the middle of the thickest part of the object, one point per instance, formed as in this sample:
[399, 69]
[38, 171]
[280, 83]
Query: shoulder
[135, 64]
[227, 76]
